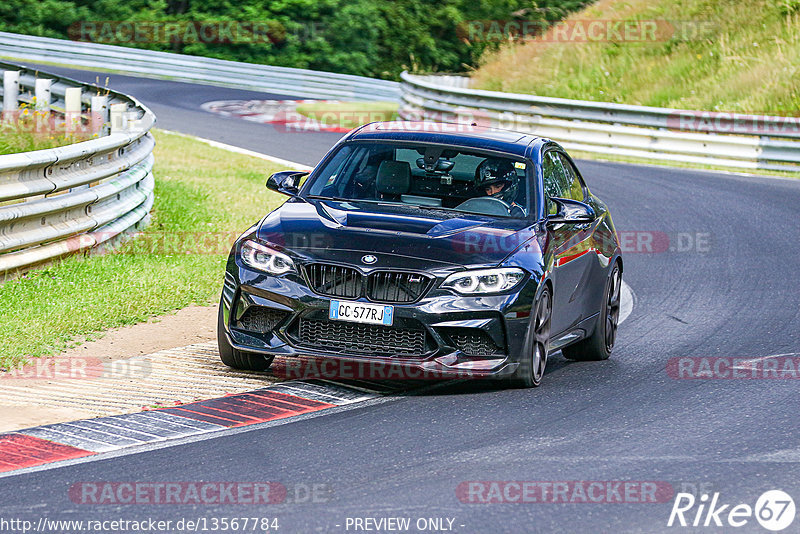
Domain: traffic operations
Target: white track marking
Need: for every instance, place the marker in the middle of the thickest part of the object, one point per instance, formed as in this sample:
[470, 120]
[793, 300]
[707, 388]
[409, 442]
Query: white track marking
[746, 364]
[780, 456]
[627, 298]
[244, 151]
[211, 434]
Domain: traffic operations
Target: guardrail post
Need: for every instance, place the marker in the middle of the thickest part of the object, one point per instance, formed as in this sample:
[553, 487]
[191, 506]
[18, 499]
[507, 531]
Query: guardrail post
[10, 94]
[42, 93]
[72, 107]
[119, 118]
[100, 115]
[132, 122]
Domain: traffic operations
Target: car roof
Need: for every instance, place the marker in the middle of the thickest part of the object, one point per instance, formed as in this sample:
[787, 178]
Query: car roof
[462, 135]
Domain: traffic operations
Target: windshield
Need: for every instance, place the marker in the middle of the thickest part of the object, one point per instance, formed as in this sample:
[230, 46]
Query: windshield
[425, 176]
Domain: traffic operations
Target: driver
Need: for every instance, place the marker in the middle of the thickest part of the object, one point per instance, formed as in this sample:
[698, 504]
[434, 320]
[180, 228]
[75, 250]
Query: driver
[497, 178]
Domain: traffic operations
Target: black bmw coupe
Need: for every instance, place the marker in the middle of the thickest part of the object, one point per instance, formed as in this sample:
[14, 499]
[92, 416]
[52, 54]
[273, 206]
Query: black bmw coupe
[441, 250]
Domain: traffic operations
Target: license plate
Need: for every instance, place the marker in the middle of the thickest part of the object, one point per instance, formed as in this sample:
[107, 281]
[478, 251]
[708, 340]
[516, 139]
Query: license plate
[360, 312]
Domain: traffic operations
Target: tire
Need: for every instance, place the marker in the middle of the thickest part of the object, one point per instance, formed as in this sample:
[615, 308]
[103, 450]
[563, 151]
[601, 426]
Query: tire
[531, 369]
[599, 345]
[244, 361]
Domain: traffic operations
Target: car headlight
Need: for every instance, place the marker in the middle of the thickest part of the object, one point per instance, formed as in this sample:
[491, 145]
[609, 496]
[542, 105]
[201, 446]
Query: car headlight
[265, 259]
[484, 281]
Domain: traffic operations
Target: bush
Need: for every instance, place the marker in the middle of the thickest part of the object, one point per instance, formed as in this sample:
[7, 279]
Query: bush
[363, 37]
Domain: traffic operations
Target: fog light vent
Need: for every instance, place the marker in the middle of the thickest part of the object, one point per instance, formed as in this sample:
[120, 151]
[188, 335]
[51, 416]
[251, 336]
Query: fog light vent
[473, 342]
[260, 319]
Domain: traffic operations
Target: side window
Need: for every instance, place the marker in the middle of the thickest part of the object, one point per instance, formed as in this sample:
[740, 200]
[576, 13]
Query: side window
[574, 189]
[555, 180]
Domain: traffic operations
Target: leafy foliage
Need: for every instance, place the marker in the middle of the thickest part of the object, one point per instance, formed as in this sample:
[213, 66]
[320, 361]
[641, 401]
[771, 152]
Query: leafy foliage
[364, 37]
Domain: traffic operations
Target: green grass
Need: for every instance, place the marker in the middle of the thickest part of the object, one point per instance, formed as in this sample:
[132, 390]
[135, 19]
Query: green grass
[14, 141]
[23, 134]
[748, 60]
[200, 191]
[349, 114]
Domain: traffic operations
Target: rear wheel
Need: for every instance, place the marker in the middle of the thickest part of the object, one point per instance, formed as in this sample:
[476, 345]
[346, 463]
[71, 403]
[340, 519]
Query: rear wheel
[531, 370]
[599, 345]
[244, 361]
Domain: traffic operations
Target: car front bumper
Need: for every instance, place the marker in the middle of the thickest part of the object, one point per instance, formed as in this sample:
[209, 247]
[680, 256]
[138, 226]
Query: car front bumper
[502, 318]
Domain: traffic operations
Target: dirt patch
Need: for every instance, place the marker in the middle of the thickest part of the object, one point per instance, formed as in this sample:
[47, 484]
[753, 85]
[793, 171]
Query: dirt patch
[194, 324]
[166, 361]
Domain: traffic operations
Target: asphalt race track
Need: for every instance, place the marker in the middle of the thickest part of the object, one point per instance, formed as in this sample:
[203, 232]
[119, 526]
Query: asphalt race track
[177, 108]
[720, 280]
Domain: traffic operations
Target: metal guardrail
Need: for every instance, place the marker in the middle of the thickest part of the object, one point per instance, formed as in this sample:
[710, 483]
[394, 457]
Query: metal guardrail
[68, 199]
[195, 69]
[706, 138]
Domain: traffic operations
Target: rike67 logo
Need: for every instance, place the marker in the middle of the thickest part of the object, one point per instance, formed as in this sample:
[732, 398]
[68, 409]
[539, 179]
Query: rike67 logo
[774, 510]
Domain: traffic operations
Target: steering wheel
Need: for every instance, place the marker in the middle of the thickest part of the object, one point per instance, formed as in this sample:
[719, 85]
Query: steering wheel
[485, 206]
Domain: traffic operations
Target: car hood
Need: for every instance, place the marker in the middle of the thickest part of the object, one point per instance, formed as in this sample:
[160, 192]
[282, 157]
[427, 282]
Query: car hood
[397, 235]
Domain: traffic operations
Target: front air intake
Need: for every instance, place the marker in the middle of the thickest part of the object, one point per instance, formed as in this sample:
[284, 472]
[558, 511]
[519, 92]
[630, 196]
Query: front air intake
[381, 286]
[473, 342]
[362, 338]
[335, 280]
[392, 286]
[260, 319]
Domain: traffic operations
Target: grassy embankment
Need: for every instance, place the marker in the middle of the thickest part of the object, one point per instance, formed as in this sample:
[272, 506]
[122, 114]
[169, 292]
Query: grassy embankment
[745, 58]
[204, 197]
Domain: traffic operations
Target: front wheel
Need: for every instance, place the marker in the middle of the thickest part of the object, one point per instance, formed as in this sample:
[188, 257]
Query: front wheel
[598, 346]
[531, 370]
[244, 361]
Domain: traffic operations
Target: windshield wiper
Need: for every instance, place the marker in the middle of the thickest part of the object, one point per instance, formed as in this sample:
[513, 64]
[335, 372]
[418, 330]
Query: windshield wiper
[342, 199]
[337, 199]
[426, 207]
[400, 204]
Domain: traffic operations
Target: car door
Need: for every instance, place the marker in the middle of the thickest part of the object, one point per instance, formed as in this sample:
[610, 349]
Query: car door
[571, 245]
[595, 239]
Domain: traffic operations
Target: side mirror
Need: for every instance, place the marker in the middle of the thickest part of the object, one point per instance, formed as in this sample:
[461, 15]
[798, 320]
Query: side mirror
[286, 182]
[571, 212]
